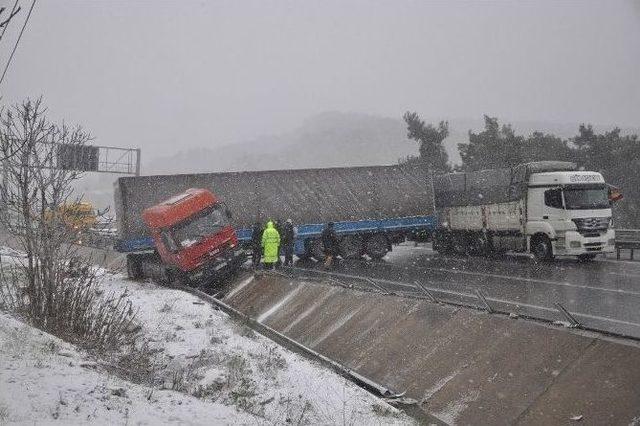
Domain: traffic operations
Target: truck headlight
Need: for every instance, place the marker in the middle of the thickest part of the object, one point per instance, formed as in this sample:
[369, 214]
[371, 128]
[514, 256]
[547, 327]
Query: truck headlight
[575, 244]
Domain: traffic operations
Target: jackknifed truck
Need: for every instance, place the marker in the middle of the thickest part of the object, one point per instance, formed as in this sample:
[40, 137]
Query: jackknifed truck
[371, 207]
[546, 208]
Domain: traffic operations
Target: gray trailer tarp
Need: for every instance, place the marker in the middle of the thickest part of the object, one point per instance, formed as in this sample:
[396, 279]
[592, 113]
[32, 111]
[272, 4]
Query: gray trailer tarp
[490, 186]
[306, 196]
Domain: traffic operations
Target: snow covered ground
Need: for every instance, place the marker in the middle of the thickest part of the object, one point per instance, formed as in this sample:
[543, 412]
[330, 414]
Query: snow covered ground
[212, 370]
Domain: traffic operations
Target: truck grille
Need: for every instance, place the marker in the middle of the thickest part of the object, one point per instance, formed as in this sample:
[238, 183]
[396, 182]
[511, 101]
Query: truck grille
[592, 225]
[593, 246]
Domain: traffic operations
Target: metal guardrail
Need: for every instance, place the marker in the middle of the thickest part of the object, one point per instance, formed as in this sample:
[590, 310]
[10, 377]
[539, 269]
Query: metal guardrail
[282, 339]
[474, 299]
[627, 239]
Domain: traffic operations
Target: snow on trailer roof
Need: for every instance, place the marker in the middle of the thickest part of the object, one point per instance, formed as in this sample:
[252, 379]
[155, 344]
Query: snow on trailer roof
[491, 185]
[306, 196]
[178, 208]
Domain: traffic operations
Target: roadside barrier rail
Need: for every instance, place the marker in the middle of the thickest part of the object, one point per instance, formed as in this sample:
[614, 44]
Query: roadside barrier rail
[627, 239]
[474, 299]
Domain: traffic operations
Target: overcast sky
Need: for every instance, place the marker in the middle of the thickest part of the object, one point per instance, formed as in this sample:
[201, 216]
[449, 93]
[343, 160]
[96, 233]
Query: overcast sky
[166, 75]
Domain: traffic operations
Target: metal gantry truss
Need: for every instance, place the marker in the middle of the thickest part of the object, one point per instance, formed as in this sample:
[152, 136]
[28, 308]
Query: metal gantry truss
[93, 158]
[118, 160]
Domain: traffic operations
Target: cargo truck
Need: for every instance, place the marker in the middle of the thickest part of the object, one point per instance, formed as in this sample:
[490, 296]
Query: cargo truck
[372, 207]
[193, 240]
[546, 208]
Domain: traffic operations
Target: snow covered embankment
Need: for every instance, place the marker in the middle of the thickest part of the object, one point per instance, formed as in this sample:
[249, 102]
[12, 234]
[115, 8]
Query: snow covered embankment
[211, 370]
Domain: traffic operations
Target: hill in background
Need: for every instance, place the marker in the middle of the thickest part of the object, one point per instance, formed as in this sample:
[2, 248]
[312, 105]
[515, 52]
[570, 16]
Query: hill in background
[326, 140]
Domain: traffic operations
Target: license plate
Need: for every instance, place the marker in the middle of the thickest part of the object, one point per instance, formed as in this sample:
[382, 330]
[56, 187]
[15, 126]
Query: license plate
[220, 266]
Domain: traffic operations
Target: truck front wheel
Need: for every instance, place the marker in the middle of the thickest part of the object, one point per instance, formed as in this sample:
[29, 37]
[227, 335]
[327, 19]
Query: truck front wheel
[134, 267]
[541, 248]
[177, 277]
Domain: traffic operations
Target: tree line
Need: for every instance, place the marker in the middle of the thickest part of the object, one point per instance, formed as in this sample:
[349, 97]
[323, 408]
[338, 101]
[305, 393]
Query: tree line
[611, 153]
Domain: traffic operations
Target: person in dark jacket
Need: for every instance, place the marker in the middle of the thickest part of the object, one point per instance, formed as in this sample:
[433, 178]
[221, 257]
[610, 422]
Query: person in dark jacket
[288, 235]
[277, 224]
[256, 244]
[331, 244]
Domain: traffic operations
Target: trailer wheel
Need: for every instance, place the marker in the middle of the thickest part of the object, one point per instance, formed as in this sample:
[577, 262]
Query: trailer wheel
[377, 246]
[316, 248]
[442, 242]
[352, 247]
[478, 245]
[541, 248]
[460, 244]
[134, 267]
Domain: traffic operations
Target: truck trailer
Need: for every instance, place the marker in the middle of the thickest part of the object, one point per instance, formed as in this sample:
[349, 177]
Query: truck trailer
[371, 207]
[547, 208]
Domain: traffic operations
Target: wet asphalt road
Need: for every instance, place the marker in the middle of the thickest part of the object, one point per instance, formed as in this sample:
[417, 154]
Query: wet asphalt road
[603, 295]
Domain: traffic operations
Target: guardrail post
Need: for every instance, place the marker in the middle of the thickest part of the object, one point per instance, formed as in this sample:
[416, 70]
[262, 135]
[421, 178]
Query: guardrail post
[484, 300]
[574, 322]
[376, 285]
[426, 291]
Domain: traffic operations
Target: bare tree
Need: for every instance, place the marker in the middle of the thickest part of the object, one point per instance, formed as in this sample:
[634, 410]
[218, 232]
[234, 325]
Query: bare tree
[6, 19]
[56, 286]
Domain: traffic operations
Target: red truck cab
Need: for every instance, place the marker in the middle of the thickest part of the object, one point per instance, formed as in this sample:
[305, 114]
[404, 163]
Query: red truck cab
[193, 236]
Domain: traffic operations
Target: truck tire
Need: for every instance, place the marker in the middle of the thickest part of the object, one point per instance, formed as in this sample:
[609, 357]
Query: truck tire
[442, 242]
[307, 251]
[177, 277]
[352, 247]
[316, 248]
[460, 244]
[478, 244]
[377, 246]
[134, 267]
[541, 248]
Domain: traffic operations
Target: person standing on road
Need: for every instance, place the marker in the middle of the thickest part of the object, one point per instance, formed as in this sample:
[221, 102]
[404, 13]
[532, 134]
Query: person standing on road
[256, 244]
[277, 224]
[288, 240]
[331, 245]
[270, 245]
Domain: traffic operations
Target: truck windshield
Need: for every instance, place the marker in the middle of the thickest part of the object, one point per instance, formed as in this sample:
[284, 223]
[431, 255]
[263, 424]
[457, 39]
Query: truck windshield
[586, 197]
[206, 223]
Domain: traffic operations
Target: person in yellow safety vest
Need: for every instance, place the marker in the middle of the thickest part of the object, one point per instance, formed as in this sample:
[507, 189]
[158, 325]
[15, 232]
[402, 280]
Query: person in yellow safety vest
[270, 245]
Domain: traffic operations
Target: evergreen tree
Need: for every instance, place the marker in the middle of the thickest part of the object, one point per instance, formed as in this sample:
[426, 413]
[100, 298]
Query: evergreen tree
[430, 138]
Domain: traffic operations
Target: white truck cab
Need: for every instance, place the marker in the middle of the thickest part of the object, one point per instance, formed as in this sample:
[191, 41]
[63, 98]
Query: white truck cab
[572, 209]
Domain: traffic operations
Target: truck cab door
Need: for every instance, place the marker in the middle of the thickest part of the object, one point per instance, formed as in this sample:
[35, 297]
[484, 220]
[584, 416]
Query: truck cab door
[545, 210]
[553, 211]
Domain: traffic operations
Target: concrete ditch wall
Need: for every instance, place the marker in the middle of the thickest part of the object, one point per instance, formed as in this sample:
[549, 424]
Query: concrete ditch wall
[464, 366]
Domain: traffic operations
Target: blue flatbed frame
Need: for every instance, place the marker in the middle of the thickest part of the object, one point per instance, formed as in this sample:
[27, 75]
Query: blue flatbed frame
[312, 231]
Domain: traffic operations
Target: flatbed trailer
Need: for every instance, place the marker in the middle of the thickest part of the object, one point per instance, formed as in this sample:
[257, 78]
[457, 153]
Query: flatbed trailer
[372, 207]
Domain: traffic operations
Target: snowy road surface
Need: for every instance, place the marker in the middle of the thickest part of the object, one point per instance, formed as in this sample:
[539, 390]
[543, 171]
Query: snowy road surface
[604, 294]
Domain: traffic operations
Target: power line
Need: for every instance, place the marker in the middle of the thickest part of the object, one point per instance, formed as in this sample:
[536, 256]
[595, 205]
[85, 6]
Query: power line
[33, 3]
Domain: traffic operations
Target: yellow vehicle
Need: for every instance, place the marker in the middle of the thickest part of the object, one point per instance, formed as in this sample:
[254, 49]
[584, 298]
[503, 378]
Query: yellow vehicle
[77, 216]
